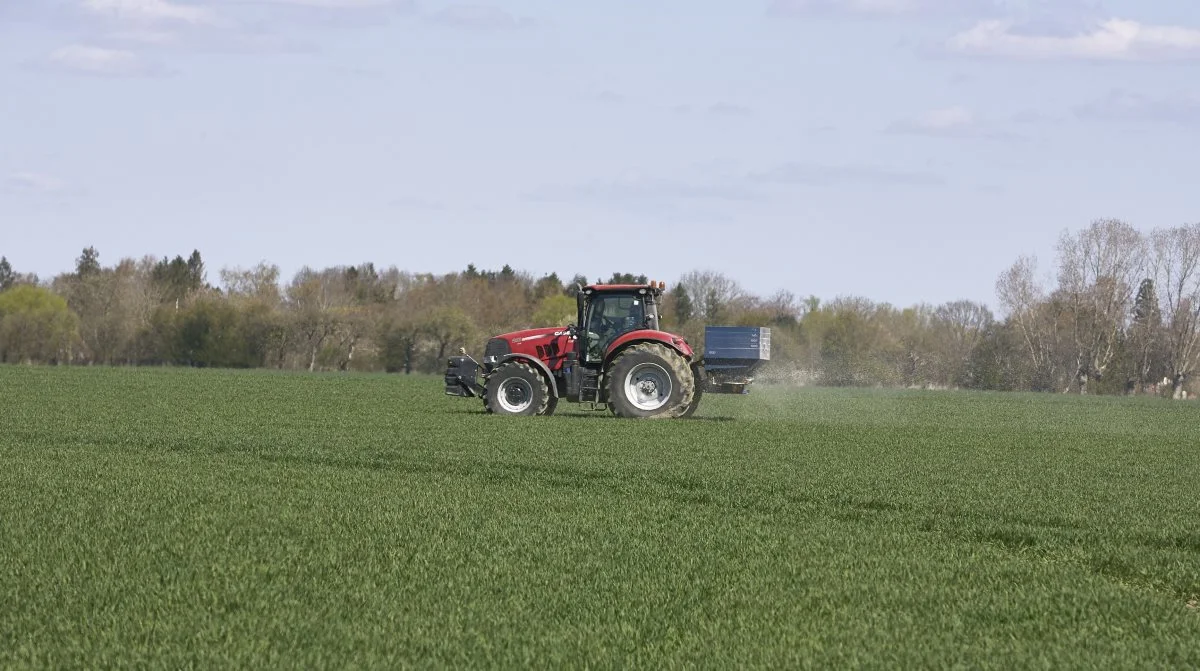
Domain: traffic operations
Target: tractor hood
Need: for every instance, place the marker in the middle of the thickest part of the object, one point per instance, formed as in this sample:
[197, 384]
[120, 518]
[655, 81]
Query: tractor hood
[525, 342]
[533, 335]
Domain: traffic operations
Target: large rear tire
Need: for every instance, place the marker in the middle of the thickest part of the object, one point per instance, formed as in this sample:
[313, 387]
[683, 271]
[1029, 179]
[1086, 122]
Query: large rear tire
[515, 388]
[649, 381]
[697, 393]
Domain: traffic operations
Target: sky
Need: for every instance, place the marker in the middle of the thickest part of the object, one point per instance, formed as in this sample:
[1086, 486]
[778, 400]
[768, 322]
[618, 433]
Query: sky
[901, 150]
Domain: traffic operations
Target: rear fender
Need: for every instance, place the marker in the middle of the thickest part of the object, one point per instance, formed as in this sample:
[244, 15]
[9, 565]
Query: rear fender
[538, 364]
[671, 340]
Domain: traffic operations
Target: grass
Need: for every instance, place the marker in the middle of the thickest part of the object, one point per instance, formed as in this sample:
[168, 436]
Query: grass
[188, 518]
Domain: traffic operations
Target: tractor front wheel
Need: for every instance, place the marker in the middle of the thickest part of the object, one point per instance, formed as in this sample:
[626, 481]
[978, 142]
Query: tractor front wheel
[649, 380]
[515, 388]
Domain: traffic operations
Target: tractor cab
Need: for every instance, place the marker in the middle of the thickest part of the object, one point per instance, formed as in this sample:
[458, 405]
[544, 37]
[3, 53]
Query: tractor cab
[607, 312]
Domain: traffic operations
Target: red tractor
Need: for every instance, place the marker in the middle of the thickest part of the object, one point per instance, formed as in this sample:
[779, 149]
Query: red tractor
[614, 356]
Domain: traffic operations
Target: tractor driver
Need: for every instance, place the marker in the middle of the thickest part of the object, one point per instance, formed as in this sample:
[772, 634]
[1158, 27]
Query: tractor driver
[612, 317]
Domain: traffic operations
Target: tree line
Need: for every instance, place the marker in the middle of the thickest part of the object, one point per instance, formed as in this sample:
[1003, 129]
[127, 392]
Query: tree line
[1118, 313]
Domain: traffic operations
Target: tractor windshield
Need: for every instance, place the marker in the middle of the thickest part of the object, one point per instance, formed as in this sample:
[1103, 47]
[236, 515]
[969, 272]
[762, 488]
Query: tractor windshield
[610, 317]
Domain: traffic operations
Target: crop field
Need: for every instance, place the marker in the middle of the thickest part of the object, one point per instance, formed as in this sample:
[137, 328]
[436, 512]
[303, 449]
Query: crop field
[204, 518]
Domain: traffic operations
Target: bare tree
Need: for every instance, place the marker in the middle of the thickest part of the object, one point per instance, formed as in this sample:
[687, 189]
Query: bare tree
[261, 282]
[1146, 331]
[445, 327]
[784, 308]
[317, 301]
[857, 345]
[138, 298]
[711, 294]
[1028, 308]
[1176, 254]
[907, 337]
[1099, 267]
[959, 327]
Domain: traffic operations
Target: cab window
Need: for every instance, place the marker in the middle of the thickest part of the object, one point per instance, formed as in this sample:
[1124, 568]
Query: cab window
[610, 317]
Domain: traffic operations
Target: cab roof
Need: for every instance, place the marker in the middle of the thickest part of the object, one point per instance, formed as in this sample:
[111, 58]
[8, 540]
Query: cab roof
[656, 287]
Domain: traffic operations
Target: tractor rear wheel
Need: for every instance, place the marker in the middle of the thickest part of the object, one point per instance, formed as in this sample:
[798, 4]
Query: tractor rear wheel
[697, 393]
[649, 381]
[515, 388]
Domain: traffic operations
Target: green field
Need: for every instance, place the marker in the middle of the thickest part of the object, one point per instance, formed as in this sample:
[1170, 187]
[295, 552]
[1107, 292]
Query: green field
[199, 518]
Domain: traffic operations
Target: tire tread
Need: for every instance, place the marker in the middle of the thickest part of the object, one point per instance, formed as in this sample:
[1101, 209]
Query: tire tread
[505, 371]
[678, 367]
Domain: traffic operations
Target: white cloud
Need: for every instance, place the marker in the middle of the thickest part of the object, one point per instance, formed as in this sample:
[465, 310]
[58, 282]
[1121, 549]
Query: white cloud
[1125, 106]
[89, 60]
[814, 174]
[144, 37]
[957, 121]
[666, 199]
[1030, 116]
[32, 181]
[608, 96]
[418, 203]
[729, 109]
[480, 17]
[1110, 40]
[946, 119]
[232, 40]
[341, 4]
[148, 11]
[643, 188]
[880, 8]
[718, 109]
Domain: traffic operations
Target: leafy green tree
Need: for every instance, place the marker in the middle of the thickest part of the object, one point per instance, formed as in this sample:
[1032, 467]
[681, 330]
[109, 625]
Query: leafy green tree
[88, 263]
[997, 359]
[398, 336]
[36, 326]
[178, 278]
[211, 335]
[573, 286]
[682, 308]
[855, 344]
[713, 307]
[1146, 335]
[195, 270]
[555, 310]
[506, 276]
[7, 276]
[256, 294]
[367, 286]
[549, 285]
[627, 278]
